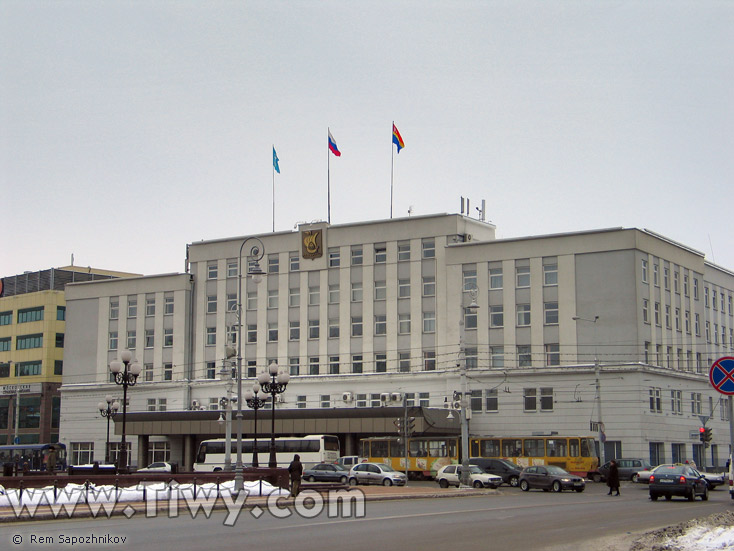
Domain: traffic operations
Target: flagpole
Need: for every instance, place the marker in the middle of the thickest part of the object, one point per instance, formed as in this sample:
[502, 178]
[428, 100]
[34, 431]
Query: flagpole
[392, 163]
[273, 192]
[328, 181]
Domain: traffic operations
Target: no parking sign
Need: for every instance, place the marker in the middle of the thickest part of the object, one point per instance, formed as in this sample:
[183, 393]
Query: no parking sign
[721, 375]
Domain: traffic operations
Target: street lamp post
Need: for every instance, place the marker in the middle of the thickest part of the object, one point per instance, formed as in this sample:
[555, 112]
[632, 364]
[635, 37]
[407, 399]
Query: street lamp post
[255, 403]
[273, 383]
[226, 403]
[108, 410]
[257, 251]
[465, 478]
[597, 371]
[126, 374]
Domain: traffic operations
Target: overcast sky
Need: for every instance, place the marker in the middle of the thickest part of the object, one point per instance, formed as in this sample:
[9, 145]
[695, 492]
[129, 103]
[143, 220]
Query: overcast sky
[129, 129]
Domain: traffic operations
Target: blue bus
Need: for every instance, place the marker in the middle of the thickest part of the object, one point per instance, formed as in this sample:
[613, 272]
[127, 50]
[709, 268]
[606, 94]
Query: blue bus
[32, 457]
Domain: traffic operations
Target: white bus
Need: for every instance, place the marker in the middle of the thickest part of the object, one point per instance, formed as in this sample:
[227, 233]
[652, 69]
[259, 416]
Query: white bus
[313, 449]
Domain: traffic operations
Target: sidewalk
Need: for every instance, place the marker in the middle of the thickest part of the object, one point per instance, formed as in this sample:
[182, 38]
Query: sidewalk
[141, 508]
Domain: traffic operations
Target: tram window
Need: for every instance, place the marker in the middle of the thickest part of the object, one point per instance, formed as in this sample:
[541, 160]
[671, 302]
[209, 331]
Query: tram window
[453, 448]
[534, 447]
[557, 448]
[437, 448]
[586, 446]
[511, 448]
[397, 449]
[490, 448]
[365, 448]
[380, 448]
[418, 448]
[573, 447]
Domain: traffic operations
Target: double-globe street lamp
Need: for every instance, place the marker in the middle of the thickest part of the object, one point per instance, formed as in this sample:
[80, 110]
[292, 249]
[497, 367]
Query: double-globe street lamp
[257, 251]
[273, 382]
[255, 403]
[126, 374]
[108, 410]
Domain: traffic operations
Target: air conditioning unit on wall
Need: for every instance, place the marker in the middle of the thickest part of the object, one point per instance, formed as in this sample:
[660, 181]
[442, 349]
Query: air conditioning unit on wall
[384, 398]
[347, 397]
[396, 396]
[195, 404]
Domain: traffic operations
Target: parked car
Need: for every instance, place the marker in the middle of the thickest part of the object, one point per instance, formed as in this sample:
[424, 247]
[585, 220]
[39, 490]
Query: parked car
[157, 467]
[507, 470]
[349, 461]
[628, 468]
[678, 480]
[450, 475]
[376, 473]
[326, 472]
[550, 477]
[713, 479]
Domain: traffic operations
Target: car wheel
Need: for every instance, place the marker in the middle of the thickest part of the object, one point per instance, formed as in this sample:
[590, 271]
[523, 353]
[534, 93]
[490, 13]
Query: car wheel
[514, 481]
[343, 480]
[387, 482]
[596, 477]
[478, 484]
[311, 479]
[635, 478]
[443, 483]
[353, 482]
[557, 486]
[524, 486]
[654, 497]
[692, 495]
[705, 496]
[579, 490]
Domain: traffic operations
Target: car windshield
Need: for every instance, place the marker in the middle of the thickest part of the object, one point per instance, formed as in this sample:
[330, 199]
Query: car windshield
[475, 470]
[552, 469]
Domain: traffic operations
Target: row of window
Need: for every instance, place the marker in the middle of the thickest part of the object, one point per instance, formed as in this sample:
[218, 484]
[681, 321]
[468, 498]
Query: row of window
[82, 453]
[132, 306]
[26, 315]
[428, 250]
[26, 342]
[684, 323]
[675, 359]
[132, 339]
[696, 403]
[522, 276]
[27, 369]
[719, 299]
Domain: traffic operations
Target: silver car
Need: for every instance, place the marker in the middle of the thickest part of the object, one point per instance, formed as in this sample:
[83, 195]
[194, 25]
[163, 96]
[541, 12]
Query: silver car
[376, 473]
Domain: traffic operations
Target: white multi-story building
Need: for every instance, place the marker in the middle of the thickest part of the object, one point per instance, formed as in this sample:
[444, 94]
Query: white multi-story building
[365, 314]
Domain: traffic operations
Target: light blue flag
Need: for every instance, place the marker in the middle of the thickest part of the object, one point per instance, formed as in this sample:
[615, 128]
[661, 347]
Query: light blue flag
[275, 161]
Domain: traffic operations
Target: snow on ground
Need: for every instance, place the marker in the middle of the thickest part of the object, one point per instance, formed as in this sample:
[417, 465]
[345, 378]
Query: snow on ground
[712, 533]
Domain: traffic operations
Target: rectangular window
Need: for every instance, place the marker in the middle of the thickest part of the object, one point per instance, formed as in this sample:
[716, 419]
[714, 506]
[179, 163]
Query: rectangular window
[334, 293]
[472, 357]
[333, 328]
[232, 268]
[211, 271]
[644, 271]
[523, 315]
[313, 366]
[497, 356]
[334, 365]
[294, 365]
[357, 255]
[403, 251]
[211, 336]
[666, 278]
[168, 305]
[231, 302]
[211, 304]
[524, 356]
[252, 300]
[677, 319]
[676, 282]
[429, 322]
[495, 278]
[403, 288]
[698, 325]
[61, 313]
[429, 248]
[380, 363]
[114, 309]
[429, 360]
[645, 310]
[655, 395]
[295, 262]
[523, 276]
[476, 400]
[496, 316]
[357, 363]
[294, 297]
[375, 400]
[314, 296]
[676, 402]
[357, 292]
[5, 344]
[667, 316]
[294, 330]
[546, 399]
[167, 372]
[530, 398]
[380, 324]
[361, 400]
[380, 290]
[26, 342]
[491, 402]
[403, 362]
[27, 369]
[313, 329]
[27, 315]
[469, 278]
[380, 254]
[148, 372]
[273, 331]
[168, 338]
[59, 340]
[150, 306]
[334, 258]
[429, 286]
[273, 264]
[82, 453]
[470, 318]
[150, 338]
[112, 340]
[325, 401]
[551, 313]
[272, 299]
[657, 314]
[356, 326]
[550, 274]
[552, 354]
[695, 288]
[300, 402]
[252, 333]
[656, 275]
[424, 399]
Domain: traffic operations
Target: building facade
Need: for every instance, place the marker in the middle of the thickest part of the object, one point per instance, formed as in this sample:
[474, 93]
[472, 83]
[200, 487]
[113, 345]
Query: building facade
[32, 335]
[363, 315]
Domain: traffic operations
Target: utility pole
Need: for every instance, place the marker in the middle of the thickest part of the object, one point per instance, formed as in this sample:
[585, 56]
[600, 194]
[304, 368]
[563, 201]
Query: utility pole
[597, 384]
[464, 478]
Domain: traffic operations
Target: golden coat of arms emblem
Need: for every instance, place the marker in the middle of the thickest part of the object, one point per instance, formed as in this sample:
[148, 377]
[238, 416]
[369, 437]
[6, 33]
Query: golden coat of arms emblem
[311, 244]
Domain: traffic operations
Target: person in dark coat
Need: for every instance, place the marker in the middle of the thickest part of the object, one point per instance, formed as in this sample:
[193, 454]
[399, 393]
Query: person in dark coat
[295, 470]
[613, 478]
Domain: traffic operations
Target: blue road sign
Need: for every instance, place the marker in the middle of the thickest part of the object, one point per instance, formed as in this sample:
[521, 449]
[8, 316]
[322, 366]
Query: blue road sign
[721, 375]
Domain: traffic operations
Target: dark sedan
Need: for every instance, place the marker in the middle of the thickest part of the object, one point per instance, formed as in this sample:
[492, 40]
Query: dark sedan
[550, 477]
[678, 480]
[326, 472]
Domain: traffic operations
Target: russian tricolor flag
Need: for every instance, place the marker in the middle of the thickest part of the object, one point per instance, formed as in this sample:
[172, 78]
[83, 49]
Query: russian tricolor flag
[332, 146]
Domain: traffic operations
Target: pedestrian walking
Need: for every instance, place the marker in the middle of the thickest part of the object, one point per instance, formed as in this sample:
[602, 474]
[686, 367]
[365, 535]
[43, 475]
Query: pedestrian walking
[51, 460]
[295, 470]
[613, 478]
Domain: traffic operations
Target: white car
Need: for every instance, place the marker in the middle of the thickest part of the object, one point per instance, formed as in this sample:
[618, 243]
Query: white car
[157, 467]
[450, 474]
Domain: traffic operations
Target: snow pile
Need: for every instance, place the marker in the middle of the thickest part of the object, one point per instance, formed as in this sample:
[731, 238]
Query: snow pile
[712, 533]
[705, 538]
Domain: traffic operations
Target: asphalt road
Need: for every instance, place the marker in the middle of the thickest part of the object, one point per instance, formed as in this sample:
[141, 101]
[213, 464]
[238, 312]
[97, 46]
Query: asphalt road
[509, 520]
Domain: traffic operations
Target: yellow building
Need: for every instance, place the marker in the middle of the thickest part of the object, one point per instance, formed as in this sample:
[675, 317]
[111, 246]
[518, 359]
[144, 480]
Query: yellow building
[32, 328]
